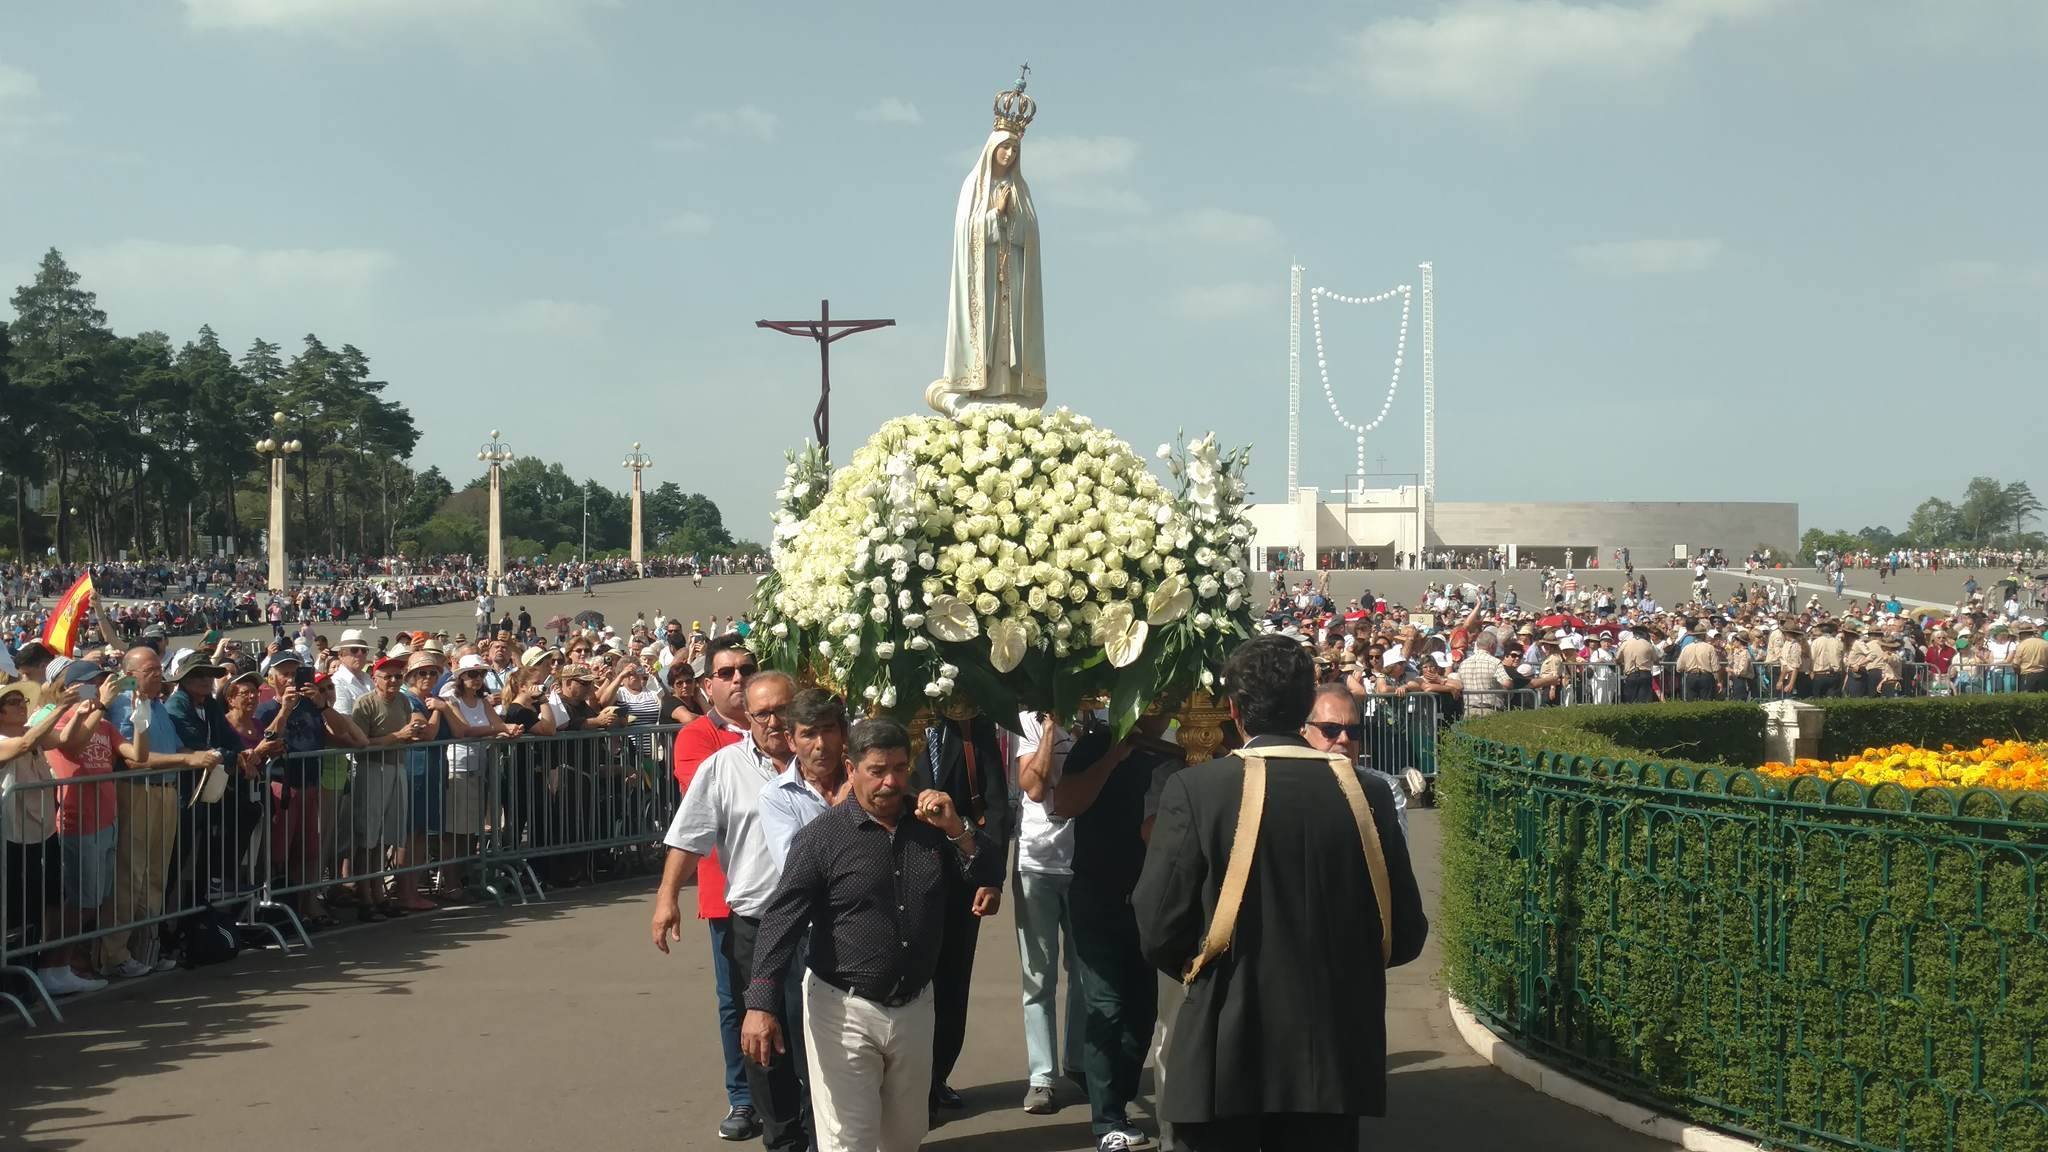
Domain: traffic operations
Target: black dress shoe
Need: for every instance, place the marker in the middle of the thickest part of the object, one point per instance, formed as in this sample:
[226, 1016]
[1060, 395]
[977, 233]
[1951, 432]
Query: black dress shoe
[944, 1097]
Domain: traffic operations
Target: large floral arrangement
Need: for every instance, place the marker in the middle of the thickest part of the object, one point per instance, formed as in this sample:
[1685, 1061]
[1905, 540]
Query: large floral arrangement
[1014, 557]
[2001, 765]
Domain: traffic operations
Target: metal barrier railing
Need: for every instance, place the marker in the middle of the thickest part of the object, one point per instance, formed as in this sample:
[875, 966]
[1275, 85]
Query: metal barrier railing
[98, 863]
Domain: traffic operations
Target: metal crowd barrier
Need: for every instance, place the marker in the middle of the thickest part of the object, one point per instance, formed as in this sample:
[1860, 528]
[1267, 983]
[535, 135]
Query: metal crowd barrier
[1401, 732]
[97, 874]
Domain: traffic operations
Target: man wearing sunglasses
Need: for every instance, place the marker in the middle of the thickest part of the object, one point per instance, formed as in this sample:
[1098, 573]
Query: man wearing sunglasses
[1334, 726]
[728, 665]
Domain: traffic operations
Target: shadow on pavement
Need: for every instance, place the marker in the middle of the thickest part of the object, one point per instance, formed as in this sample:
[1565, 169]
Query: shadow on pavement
[50, 1076]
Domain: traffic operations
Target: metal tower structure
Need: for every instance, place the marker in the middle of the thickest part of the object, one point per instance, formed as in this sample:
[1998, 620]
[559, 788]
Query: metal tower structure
[1293, 380]
[1428, 382]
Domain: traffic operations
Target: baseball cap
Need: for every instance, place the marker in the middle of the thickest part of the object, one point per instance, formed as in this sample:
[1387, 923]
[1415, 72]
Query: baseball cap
[279, 659]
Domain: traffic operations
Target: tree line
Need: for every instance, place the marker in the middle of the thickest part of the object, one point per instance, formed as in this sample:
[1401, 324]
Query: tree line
[113, 444]
[1990, 515]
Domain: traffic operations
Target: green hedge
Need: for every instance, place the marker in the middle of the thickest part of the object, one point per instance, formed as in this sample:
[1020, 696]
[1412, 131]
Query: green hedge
[1853, 725]
[1825, 970]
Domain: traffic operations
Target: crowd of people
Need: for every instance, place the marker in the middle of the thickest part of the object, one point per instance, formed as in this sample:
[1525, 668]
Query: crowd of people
[325, 774]
[187, 598]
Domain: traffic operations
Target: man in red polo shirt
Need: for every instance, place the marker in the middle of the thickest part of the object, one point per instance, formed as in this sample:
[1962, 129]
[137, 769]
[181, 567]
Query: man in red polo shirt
[725, 689]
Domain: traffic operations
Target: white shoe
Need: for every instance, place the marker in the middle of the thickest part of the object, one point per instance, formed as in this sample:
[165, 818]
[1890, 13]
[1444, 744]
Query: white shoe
[165, 962]
[132, 968]
[65, 982]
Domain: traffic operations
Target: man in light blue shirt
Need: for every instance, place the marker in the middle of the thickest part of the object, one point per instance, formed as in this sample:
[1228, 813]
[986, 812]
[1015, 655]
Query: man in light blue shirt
[816, 777]
[148, 831]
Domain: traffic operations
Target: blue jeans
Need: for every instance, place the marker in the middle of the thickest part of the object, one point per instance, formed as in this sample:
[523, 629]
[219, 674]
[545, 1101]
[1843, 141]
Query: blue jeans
[1045, 944]
[737, 1094]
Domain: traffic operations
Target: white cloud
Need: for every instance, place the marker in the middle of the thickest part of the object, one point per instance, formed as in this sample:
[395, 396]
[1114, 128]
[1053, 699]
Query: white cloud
[687, 224]
[1488, 54]
[745, 120]
[558, 319]
[153, 265]
[1987, 276]
[1221, 226]
[1086, 171]
[890, 110]
[1224, 301]
[21, 103]
[348, 15]
[1648, 257]
[1057, 159]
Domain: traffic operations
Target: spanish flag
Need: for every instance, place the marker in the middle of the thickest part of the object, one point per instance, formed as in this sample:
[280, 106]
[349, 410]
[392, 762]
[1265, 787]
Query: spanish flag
[76, 605]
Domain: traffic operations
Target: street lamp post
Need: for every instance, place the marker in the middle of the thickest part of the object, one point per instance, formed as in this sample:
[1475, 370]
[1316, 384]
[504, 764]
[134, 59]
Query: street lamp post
[496, 453]
[276, 448]
[638, 462]
[586, 530]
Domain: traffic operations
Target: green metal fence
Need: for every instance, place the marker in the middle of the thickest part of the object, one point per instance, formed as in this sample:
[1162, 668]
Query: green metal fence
[1818, 967]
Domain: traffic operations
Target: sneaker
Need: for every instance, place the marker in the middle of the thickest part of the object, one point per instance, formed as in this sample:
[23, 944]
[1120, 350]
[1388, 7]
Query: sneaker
[166, 962]
[1038, 1100]
[739, 1124]
[1122, 1138]
[65, 982]
[132, 968]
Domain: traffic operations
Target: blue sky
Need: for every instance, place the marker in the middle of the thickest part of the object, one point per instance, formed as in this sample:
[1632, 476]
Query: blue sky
[1719, 226]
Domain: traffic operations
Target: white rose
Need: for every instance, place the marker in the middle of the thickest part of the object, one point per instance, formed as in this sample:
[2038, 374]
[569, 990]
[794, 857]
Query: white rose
[1234, 601]
[986, 604]
[878, 615]
[871, 692]
[1203, 620]
[945, 686]
[850, 646]
[913, 620]
[1207, 587]
[918, 644]
[1165, 452]
[933, 690]
[927, 561]
[780, 630]
[885, 651]
[824, 648]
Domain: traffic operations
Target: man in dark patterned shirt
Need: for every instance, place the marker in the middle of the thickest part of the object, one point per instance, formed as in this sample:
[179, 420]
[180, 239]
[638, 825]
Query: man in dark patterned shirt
[869, 881]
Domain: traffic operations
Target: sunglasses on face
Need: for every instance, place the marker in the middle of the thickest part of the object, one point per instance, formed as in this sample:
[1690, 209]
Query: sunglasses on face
[736, 671]
[1332, 730]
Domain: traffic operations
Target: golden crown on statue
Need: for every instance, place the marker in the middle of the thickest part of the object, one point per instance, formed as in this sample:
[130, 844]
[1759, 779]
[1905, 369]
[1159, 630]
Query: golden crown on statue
[1014, 109]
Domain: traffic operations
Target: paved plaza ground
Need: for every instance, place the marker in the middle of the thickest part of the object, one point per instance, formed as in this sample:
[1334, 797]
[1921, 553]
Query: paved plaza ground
[558, 1026]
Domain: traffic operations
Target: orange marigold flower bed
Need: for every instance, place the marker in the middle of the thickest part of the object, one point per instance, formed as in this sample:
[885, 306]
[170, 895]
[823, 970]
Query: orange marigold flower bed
[2004, 765]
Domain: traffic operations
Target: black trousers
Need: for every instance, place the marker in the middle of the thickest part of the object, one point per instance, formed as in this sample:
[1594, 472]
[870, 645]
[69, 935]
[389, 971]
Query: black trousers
[1271, 1132]
[2034, 682]
[1635, 689]
[1119, 999]
[952, 983]
[1826, 684]
[1701, 686]
[1857, 683]
[778, 1098]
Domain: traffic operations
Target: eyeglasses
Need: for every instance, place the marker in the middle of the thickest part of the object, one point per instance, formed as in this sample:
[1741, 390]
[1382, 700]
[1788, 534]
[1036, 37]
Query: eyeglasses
[1332, 730]
[735, 671]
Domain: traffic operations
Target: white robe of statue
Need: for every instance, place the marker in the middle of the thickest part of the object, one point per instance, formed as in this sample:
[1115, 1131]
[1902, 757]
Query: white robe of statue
[995, 316]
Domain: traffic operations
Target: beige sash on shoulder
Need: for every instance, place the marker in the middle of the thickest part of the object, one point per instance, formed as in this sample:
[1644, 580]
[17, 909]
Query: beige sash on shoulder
[1245, 842]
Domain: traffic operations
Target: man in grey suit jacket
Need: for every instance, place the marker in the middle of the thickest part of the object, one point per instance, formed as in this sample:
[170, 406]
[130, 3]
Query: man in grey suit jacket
[1282, 1040]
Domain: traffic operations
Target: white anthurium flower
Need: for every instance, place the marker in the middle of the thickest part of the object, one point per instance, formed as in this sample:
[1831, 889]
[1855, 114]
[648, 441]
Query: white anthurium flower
[952, 619]
[1006, 644]
[1169, 601]
[1121, 633]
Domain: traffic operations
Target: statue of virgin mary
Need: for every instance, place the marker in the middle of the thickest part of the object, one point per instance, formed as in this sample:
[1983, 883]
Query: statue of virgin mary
[995, 317]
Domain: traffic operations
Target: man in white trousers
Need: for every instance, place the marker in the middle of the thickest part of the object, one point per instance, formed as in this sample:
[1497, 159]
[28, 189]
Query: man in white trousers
[868, 882]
